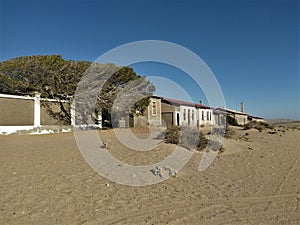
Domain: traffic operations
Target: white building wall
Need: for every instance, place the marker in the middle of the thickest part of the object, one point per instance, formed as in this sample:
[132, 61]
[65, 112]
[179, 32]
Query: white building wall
[206, 117]
[188, 119]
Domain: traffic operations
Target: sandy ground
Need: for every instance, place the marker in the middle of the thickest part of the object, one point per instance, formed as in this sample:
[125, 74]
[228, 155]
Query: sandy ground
[45, 180]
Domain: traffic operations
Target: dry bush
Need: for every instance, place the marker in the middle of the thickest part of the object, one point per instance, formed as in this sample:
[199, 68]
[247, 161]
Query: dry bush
[172, 135]
[187, 137]
[229, 132]
[231, 121]
[257, 125]
[202, 141]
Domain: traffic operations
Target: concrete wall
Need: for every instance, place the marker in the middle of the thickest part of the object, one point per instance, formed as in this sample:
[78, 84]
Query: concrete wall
[256, 120]
[46, 119]
[20, 112]
[165, 107]
[14, 111]
[184, 115]
[171, 115]
[24, 113]
[188, 116]
[168, 114]
[219, 119]
[206, 117]
[154, 117]
[168, 119]
[241, 119]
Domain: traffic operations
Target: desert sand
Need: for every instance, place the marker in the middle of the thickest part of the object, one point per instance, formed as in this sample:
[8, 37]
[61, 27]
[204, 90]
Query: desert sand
[45, 180]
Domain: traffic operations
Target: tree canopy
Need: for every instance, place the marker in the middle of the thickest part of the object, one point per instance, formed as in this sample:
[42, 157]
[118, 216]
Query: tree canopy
[57, 78]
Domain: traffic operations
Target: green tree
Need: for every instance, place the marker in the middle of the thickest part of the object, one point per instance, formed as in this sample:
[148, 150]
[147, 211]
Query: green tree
[56, 78]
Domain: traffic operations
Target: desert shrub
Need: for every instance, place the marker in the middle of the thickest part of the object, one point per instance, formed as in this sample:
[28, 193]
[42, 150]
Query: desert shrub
[187, 137]
[231, 121]
[257, 125]
[222, 149]
[172, 135]
[202, 141]
[229, 132]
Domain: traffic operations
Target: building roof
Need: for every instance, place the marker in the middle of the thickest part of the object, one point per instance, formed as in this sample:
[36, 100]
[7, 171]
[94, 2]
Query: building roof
[180, 102]
[231, 111]
[255, 117]
[218, 111]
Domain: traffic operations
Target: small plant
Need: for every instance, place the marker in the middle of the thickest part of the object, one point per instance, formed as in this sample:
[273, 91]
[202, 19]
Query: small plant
[231, 121]
[202, 141]
[172, 135]
[187, 137]
[260, 126]
[229, 132]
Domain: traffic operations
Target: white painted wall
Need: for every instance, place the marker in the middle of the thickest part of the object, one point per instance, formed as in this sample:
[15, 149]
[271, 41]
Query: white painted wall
[188, 116]
[37, 113]
[37, 110]
[208, 118]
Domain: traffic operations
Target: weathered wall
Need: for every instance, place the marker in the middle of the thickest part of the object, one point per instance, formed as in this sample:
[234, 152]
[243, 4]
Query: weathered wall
[20, 111]
[167, 107]
[207, 117]
[219, 119]
[168, 119]
[241, 119]
[186, 118]
[154, 118]
[46, 119]
[15, 112]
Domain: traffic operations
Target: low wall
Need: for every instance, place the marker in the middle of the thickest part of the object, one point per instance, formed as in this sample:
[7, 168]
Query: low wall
[25, 113]
[46, 119]
[16, 112]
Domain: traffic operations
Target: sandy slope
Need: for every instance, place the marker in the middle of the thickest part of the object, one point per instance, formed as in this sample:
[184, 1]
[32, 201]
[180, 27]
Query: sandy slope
[44, 180]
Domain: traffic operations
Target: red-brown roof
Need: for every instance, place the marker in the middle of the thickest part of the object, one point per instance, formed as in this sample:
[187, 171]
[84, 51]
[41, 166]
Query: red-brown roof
[180, 102]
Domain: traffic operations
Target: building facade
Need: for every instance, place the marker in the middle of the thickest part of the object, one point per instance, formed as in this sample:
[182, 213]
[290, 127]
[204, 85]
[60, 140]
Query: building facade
[171, 112]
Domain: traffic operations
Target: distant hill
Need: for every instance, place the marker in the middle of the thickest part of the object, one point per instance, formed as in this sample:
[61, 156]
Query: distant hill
[284, 123]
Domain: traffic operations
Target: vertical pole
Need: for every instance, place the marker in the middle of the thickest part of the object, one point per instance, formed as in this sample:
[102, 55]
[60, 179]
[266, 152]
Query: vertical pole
[37, 109]
[73, 118]
[99, 118]
[160, 112]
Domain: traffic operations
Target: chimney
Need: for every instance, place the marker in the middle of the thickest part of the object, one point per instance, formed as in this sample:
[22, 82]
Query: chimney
[242, 107]
[201, 102]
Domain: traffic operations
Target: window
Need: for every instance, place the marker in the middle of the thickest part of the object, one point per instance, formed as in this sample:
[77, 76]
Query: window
[193, 115]
[202, 115]
[154, 108]
[210, 116]
[207, 115]
[184, 114]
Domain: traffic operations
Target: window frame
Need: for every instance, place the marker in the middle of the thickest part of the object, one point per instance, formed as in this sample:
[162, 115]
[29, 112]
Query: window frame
[154, 106]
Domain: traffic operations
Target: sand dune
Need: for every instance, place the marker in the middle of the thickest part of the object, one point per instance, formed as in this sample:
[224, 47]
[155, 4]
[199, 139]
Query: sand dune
[45, 180]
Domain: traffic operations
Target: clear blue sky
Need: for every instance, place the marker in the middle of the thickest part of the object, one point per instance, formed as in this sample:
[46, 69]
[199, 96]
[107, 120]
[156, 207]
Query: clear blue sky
[251, 46]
